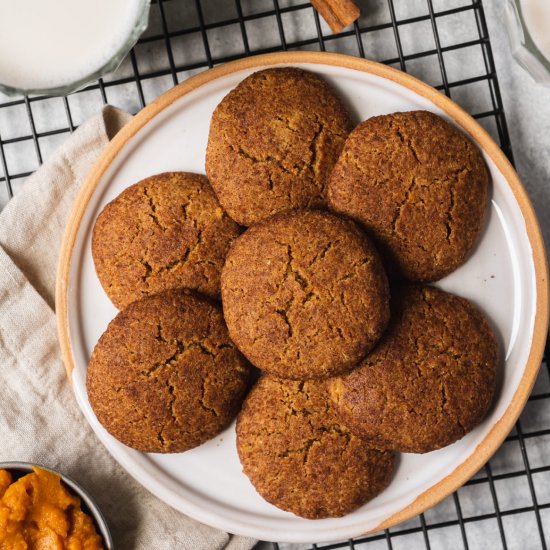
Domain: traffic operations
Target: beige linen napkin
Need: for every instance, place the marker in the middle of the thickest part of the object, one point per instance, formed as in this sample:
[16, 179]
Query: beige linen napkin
[39, 418]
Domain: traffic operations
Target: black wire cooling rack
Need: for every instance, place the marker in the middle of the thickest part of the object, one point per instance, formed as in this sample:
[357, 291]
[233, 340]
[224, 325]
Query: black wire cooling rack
[444, 42]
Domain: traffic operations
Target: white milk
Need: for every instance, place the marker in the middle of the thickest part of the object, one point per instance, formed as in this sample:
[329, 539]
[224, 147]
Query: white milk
[51, 43]
[536, 14]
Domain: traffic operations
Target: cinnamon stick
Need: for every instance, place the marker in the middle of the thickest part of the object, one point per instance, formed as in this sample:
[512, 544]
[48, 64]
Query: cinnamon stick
[337, 13]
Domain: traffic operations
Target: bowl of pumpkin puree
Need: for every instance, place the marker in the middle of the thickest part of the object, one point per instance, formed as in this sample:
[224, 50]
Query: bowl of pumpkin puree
[42, 509]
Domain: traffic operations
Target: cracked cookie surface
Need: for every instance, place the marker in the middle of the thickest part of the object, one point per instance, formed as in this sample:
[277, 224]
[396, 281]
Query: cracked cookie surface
[430, 380]
[420, 188]
[304, 294]
[273, 141]
[300, 457]
[167, 231]
[164, 376]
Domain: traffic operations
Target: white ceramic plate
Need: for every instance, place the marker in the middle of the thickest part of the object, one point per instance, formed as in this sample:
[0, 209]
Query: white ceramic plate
[505, 277]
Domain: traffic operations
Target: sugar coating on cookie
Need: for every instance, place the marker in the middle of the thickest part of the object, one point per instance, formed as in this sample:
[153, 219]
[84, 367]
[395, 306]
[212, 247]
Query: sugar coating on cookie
[300, 457]
[418, 185]
[304, 294]
[430, 380]
[165, 377]
[273, 141]
[167, 231]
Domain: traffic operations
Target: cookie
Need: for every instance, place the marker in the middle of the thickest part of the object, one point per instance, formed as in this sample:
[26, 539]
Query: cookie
[273, 142]
[430, 380]
[167, 231]
[300, 457]
[418, 185]
[304, 294]
[165, 377]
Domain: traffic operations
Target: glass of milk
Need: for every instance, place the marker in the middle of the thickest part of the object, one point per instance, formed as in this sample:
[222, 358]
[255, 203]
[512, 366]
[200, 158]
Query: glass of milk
[55, 47]
[528, 25]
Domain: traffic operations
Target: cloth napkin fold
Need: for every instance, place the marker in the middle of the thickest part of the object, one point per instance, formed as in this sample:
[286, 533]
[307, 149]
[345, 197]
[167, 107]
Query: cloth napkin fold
[39, 419]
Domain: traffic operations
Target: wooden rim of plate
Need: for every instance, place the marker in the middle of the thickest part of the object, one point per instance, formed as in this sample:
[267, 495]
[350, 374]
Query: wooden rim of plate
[503, 426]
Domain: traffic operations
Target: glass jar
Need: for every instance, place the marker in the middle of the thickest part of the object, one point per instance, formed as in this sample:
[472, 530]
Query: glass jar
[528, 24]
[113, 60]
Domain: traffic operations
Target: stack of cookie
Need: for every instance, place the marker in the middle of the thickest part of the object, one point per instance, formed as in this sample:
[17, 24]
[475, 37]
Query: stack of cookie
[323, 292]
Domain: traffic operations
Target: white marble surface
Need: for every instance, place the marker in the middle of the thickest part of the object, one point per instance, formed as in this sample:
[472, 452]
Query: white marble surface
[527, 107]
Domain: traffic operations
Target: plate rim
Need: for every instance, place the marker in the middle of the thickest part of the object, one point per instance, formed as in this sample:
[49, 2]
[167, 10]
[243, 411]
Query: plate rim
[494, 438]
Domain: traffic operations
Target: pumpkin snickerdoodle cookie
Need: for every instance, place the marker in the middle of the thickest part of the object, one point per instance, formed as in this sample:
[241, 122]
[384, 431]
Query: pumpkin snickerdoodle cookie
[304, 294]
[418, 185]
[300, 457]
[430, 380]
[164, 376]
[273, 141]
[166, 231]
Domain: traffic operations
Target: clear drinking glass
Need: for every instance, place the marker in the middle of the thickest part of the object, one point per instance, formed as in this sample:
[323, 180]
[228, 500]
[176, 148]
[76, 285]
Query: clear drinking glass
[142, 19]
[524, 48]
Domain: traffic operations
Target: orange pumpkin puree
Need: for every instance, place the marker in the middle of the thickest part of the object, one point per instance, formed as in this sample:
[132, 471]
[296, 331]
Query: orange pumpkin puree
[38, 513]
